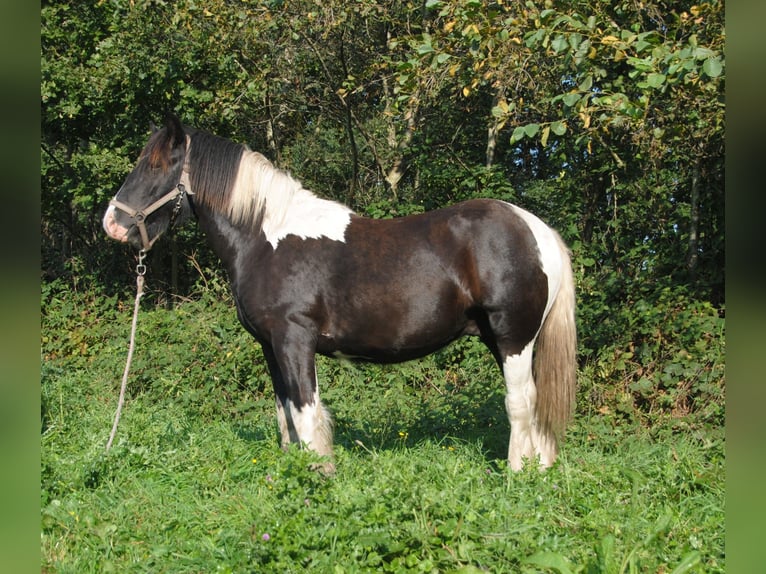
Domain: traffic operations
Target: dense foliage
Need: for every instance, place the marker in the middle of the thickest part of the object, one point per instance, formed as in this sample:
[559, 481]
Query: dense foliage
[604, 118]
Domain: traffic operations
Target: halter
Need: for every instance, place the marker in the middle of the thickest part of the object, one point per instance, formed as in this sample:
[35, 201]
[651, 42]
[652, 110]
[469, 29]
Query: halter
[139, 215]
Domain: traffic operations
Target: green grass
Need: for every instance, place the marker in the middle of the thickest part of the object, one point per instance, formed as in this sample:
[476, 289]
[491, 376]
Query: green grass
[195, 481]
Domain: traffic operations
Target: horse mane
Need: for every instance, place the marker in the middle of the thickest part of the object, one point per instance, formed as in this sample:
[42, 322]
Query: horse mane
[157, 150]
[214, 163]
[244, 185]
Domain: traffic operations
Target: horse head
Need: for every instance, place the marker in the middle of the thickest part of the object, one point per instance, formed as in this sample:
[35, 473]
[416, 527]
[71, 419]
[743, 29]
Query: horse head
[155, 194]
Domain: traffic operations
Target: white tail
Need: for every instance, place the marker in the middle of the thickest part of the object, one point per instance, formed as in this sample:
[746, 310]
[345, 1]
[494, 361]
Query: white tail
[555, 365]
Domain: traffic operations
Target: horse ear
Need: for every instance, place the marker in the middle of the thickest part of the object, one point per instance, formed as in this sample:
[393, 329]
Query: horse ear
[175, 130]
[153, 127]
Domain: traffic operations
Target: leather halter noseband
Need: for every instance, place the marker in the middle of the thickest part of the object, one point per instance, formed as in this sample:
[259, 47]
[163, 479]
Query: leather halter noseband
[139, 215]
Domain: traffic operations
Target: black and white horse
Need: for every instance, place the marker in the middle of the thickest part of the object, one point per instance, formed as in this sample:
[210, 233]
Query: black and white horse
[310, 276]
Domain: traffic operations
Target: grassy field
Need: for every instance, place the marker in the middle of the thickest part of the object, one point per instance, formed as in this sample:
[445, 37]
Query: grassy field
[195, 481]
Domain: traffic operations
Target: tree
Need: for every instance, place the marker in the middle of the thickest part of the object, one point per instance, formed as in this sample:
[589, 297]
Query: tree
[606, 118]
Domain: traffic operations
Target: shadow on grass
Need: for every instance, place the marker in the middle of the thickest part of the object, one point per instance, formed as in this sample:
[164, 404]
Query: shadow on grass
[467, 415]
[384, 406]
[411, 410]
[485, 425]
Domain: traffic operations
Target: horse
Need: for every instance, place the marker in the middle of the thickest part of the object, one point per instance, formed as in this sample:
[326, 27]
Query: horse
[309, 275]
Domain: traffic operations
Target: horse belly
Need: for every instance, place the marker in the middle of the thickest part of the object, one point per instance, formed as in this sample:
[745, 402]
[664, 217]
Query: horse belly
[395, 326]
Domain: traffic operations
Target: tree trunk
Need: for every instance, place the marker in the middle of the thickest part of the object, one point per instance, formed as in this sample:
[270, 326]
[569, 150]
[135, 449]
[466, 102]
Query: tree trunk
[271, 138]
[399, 143]
[692, 257]
[494, 128]
[349, 124]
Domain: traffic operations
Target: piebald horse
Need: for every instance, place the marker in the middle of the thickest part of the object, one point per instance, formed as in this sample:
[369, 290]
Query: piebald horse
[310, 276]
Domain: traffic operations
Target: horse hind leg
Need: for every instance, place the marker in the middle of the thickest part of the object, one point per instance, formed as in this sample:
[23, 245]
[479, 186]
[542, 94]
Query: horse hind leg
[520, 398]
[527, 440]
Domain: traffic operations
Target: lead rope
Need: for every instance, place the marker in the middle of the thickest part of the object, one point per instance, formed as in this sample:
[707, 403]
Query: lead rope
[140, 272]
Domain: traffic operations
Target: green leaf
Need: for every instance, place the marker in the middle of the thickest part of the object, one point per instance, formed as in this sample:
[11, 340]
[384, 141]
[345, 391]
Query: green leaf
[575, 40]
[687, 562]
[518, 134]
[642, 45]
[702, 53]
[425, 49]
[559, 127]
[551, 560]
[641, 64]
[531, 130]
[571, 99]
[712, 67]
[559, 44]
[586, 84]
[655, 80]
[606, 554]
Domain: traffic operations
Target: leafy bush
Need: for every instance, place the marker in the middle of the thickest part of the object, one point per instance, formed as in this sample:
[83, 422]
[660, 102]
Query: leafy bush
[660, 355]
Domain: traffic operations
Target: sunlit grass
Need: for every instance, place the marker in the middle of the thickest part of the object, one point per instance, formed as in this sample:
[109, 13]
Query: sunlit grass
[195, 481]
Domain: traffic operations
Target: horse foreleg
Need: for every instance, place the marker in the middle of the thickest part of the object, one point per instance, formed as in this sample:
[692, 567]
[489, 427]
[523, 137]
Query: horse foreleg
[301, 416]
[309, 424]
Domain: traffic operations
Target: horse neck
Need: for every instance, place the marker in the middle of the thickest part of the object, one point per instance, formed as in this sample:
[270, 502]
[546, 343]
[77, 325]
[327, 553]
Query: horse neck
[229, 241]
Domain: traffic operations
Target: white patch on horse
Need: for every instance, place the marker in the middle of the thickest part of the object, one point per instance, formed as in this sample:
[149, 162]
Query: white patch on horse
[520, 399]
[550, 253]
[526, 440]
[308, 217]
[309, 425]
[286, 207]
[112, 228]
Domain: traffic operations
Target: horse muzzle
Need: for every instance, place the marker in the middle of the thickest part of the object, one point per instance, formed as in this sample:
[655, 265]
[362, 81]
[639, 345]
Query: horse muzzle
[113, 229]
